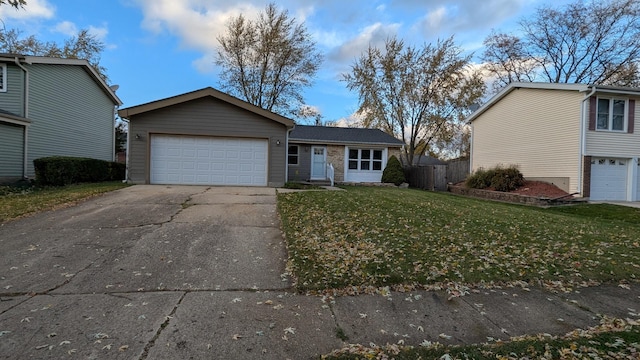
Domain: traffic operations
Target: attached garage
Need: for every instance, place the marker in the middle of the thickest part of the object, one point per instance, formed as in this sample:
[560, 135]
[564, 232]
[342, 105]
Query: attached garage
[206, 137]
[205, 160]
[609, 178]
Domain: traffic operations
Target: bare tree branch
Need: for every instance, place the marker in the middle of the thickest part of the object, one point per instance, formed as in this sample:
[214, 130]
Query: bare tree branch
[268, 62]
[414, 94]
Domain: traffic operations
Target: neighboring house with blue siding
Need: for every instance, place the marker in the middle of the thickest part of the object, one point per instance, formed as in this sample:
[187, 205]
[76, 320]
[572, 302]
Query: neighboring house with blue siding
[52, 107]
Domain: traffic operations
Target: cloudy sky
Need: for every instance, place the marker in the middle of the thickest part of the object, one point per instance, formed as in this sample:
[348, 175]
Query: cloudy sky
[160, 48]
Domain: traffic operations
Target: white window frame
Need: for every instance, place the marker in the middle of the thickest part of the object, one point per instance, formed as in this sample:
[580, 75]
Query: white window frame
[609, 127]
[297, 155]
[360, 160]
[3, 83]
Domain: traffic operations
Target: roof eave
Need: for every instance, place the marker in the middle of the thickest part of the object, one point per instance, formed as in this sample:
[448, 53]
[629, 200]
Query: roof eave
[334, 142]
[201, 93]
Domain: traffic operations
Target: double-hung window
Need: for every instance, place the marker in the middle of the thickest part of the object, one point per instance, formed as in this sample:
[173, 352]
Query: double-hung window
[611, 114]
[3, 77]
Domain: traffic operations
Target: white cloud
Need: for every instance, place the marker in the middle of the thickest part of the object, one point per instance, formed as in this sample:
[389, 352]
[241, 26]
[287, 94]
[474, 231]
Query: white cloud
[99, 32]
[67, 28]
[205, 64]
[196, 23]
[35, 9]
[373, 35]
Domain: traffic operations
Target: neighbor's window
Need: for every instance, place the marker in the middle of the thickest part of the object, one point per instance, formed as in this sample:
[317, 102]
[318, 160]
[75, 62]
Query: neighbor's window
[611, 114]
[293, 155]
[3, 77]
[365, 159]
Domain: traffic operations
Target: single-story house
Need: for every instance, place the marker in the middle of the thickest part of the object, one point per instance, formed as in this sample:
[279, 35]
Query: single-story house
[52, 107]
[581, 138]
[206, 137]
[356, 154]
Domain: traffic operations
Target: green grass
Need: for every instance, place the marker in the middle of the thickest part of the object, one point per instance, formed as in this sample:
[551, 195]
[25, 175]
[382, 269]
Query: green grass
[17, 201]
[615, 339]
[373, 237]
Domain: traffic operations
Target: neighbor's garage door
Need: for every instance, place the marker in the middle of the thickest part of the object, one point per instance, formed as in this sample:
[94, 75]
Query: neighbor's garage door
[200, 160]
[609, 179]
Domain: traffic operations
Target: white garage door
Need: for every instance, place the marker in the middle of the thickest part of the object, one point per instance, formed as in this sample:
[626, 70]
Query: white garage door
[200, 160]
[609, 179]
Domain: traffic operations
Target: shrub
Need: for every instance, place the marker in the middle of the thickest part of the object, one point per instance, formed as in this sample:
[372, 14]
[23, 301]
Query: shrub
[498, 178]
[63, 170]
[393, 172]
[507, 179]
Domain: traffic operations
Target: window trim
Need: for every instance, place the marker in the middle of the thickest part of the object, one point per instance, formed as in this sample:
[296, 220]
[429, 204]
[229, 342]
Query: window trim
[370, 160]
[611, 100]
[297, 155]
[3, 83]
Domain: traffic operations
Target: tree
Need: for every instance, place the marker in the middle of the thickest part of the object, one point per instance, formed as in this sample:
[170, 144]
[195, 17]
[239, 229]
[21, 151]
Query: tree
[414, 94]
[268, 62]
[121, 136]
[590, 43]
[15, 3]
[82, 46]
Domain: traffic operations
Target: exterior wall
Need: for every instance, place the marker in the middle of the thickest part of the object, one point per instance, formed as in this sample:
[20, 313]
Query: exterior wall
[614, 144]
[13, 99]
[302, 171]
[335, 156]
[11, 148]
[534, 129]
[206, 117]
[70, 114]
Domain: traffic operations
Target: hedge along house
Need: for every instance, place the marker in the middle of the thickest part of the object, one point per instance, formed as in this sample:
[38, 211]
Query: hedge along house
[206, 137]
[52, 107]
[355, 154]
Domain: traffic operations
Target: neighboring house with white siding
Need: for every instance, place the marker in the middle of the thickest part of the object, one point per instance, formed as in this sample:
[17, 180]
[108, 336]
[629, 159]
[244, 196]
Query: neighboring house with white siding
[52, 107]
[581, 138]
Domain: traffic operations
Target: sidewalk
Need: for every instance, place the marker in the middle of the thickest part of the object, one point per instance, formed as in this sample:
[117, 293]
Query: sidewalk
[281, 325]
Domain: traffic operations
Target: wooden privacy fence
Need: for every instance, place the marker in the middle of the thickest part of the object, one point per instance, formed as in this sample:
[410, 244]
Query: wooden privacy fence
[436, 177]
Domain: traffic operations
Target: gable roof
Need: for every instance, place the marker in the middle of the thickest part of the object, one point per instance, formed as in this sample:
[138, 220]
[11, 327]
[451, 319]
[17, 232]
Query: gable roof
[15, 58]
[338, 135]
[203, 93]
[550, 86]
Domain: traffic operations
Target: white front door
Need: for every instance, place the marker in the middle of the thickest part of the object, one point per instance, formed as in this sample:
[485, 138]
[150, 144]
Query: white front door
[318, 163]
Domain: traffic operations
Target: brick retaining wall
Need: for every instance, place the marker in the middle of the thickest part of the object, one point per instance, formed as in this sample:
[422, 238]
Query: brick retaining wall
[500, 196]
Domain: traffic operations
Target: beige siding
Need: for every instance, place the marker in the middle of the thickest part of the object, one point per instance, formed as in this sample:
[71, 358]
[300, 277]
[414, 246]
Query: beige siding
[534, 129]
[207, 117]
[615, 144]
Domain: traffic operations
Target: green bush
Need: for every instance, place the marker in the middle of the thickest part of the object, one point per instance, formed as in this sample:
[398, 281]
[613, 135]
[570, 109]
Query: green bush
[393, 172]
[497, 178]
[64, 170]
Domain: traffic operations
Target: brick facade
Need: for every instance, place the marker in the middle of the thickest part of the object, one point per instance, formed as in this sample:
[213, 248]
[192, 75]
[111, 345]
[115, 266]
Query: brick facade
[586, 177]
[335, 156]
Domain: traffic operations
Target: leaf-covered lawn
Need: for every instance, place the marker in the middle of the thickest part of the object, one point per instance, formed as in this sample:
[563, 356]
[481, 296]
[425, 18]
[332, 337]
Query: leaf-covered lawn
[373, 237]
[16, 202]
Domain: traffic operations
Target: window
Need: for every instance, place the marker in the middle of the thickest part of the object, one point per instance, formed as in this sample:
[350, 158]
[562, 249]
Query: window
[3, 77]
[292, 159]
[365, 159]
[610, 114]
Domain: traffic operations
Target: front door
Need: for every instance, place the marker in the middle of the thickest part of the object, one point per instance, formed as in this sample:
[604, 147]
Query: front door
[318, 163]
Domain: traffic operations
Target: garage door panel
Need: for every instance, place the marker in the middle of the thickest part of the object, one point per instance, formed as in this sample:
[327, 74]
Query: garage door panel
[208, 160]
[609, 179]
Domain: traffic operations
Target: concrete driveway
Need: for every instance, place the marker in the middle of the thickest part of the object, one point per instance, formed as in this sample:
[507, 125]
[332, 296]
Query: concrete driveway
[170, 272]
[127, 274]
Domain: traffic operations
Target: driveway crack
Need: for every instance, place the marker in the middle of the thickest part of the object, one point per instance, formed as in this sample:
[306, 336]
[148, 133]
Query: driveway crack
[152, 342]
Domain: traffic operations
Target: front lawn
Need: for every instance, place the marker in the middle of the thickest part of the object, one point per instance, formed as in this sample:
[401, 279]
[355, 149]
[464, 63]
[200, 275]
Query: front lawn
[374, 237]
[19, 201]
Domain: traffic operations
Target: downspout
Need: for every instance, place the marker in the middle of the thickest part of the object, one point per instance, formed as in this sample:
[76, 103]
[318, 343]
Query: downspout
[583, 135]
[25, 110]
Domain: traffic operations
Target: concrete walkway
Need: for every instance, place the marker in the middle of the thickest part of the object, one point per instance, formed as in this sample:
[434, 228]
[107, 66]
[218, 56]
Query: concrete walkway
[168, 272]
